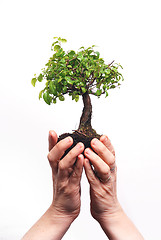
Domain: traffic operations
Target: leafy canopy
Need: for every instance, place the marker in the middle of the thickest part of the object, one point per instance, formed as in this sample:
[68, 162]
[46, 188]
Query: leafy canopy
[75, 73]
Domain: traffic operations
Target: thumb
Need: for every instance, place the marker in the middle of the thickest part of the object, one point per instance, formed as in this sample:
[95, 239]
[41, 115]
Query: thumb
[53, 138]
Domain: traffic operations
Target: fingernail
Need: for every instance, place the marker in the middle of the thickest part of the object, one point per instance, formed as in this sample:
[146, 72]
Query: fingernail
[86, 160]
[68, 139]
[87, 151]
[79, 145]
[50, 132]
[95, 141]
[106, 138]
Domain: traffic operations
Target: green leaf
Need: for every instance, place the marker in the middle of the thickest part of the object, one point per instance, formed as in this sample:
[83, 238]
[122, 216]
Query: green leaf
[90, 51]
[64, 89]
[40, 77]
[59, 88]
[88, 74]
[120, 66]
[52, 88]
[71, 72]
[33, 81]
[77, 98]
[81, 47]
[54, 100]
[56, 47]
[71, 53]
[83, 89]
[69, 66]
[68, 79]
[63, 40]
[73, 96]
[106, 94]
[55, 43]
[59, 80]
[98, 54]
[62, 60]
[104, 87]
[61, 98]
[47, 84]
[107, 71]
[98, 92]
[40, 94]
[80, 56]
[47, 98]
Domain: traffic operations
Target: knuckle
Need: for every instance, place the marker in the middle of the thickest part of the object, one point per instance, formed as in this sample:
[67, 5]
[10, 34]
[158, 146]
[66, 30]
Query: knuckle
[113, 152]
[58, 146]
[112, 159]
[102, 150]
[71, 153]
[61, 165]
[115, 169]
[75, 174]
[105, 172]
[92, 179]
[49, 157]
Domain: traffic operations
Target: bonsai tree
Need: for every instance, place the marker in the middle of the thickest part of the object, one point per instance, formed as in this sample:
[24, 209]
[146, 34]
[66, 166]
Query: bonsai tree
[82, 73]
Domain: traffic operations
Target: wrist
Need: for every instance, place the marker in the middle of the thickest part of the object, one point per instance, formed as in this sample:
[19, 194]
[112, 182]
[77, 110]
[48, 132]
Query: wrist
[117, 226]
[58, 217]
[51, 226]
[113, 218]
[109, 215]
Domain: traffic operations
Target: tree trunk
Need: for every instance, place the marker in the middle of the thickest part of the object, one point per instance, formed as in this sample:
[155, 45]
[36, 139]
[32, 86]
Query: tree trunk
[85, 133]
[85, 120]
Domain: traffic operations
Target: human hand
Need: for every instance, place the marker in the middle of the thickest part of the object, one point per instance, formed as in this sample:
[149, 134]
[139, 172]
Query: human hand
[105, 207]
[65, 207]
[102, 178]
[66, 174]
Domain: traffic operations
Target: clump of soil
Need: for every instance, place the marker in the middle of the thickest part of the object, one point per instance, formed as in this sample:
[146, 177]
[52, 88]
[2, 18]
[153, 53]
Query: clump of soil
[79, 137]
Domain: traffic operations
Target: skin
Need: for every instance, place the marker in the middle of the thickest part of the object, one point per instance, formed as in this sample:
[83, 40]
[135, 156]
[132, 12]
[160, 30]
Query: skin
[66, 174]
[105, 207]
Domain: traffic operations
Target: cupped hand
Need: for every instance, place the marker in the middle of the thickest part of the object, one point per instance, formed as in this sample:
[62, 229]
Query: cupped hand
[66, 174]
[100, 169]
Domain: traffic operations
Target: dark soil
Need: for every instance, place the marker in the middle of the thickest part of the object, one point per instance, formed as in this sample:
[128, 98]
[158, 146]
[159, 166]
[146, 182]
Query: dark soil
[79, 137]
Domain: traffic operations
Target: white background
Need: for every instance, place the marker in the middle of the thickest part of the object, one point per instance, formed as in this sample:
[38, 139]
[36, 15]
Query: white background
[125, 31]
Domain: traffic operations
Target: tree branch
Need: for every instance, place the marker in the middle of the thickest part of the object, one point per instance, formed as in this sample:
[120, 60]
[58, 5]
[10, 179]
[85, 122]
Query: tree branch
[111, 63]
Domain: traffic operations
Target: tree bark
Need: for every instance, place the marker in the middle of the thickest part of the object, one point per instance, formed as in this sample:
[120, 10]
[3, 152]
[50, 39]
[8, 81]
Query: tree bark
[85, 120]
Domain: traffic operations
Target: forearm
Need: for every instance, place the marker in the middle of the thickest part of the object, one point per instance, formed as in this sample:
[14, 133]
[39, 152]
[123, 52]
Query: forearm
[49, 227]
[120, 227]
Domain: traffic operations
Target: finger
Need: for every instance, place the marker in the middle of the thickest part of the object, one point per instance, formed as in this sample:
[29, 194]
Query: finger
[101, 168]
[103, 152]
[66, 165]
[58, 151]
[77, 171]
[93, 181]
[106, 141]
[53, 138]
